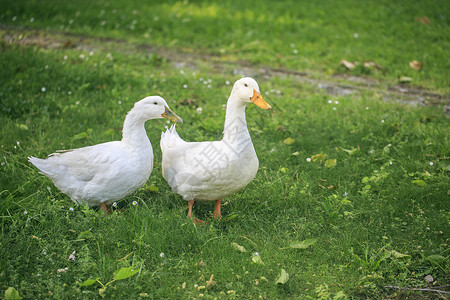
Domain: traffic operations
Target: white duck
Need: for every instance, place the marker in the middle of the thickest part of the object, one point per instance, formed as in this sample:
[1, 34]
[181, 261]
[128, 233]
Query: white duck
[104, 173]
[214, 170]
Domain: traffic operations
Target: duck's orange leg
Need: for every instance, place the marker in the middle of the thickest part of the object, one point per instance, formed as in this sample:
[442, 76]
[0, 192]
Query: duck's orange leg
[104, 207]
[217, 213]
[191, 203]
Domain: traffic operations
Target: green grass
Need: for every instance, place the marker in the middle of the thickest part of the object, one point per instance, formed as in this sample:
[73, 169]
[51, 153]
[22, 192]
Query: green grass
[303, 36]
[387, 193]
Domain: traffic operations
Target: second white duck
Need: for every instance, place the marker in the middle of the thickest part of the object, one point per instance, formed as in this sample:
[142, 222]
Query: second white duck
[217, 169]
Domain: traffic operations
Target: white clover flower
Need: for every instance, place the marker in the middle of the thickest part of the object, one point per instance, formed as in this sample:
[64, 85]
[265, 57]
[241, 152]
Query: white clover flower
[329, 101]
[162, 255]
[345, 194]
[355, 35]
[295, 51]
[367, 108]
[185, 86]
[71, 208]
[431, 163]
[65, 57]
[114, 204]
[200, 79]
[336, 102]
[134, 202]
[209, 86]
[14, 18]
[292, 45]
[32, 20]
[308, 159]
[256, 253]
[371, 152]
[69, 93]
[3, 163]
[227, 82]
[382, 121]
[25, 212]
[390, 163]
[43, 89]
[91, 53]
[82, 56]
[334, 108]
[70, 21]
[46, 67]
[199, 110]
[18, 143]
[119, 102]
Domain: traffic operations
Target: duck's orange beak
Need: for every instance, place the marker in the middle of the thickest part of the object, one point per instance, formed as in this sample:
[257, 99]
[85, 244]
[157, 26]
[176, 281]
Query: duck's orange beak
[171, 115]
[258, 100]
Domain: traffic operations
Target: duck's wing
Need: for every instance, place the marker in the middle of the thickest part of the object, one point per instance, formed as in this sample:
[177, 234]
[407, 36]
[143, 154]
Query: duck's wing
[80, 164]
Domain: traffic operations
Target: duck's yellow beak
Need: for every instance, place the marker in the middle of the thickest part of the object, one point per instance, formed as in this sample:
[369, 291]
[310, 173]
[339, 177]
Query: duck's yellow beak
[171, 116]
[258, 100]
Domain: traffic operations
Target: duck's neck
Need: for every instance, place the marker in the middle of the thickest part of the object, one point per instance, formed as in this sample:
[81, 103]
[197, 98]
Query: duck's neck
[134, 133]
[235, 129]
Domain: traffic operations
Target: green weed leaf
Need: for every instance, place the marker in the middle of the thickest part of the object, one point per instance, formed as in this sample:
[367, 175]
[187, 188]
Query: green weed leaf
[303, 244]
[85, 235]
[124, 273]
[283, 277]
[89, 282]
[330, 163]
[238, 247]
[436, 258]
[12, 293]
[419, 182]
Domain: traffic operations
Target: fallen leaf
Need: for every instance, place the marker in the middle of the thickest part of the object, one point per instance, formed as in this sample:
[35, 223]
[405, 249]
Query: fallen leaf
[319, 157]
[283, 277]
[72, 256]
[238, 247]
[257, 260]
[303, 244]
[281, 128]
[330, 163]
[22, 126]
[348, 65]
[399, 255]
[289, 141]
[351, 151]
[296, 153]
[404, 79]
[371, 64]
[423, 20]
[210, 282]
[187, 101]
[416, 65]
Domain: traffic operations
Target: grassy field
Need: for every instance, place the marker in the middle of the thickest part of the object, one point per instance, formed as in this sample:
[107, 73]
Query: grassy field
[351, 198]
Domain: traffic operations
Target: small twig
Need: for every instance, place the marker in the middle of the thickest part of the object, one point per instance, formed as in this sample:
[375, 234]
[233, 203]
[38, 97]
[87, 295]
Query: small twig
[417, 289]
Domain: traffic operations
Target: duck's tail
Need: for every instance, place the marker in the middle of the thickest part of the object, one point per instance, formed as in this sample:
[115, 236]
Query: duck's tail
[45, 167]
[169, 138]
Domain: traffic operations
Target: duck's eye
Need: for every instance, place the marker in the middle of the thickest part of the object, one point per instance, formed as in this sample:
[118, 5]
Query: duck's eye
[155, 103]
[246, 84]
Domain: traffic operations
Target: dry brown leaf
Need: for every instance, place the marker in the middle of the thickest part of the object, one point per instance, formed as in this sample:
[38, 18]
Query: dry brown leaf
[423, 20]
[349, 65]
[371, 64]
[416, 65]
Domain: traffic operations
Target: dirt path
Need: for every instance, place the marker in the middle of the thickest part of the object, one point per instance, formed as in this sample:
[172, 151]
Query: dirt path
[340, 85]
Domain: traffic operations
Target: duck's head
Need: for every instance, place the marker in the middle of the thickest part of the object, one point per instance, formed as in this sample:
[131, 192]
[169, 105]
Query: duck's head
[247, 89]
[155, 107]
